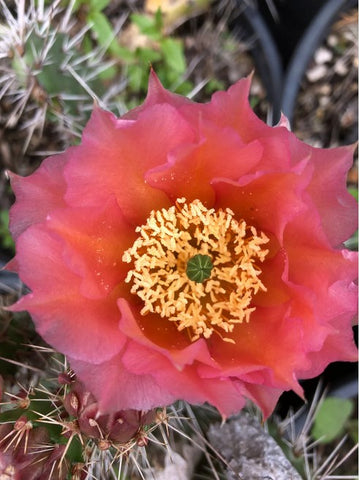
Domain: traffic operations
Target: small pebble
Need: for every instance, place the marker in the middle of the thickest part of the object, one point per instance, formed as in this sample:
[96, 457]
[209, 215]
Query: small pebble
[340, 67]
[324, 89]
[348, 118]
[324, 101]
[323, 55]
[316, 73]
[332, 40]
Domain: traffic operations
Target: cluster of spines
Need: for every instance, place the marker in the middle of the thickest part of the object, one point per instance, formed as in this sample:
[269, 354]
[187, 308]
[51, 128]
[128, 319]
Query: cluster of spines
[54, 430]
[45, 74]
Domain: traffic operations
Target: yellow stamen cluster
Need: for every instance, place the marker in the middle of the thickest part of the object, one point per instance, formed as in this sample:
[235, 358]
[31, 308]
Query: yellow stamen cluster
[168, 240]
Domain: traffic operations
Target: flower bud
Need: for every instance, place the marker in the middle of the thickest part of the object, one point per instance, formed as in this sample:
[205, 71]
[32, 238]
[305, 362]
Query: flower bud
[114, 428]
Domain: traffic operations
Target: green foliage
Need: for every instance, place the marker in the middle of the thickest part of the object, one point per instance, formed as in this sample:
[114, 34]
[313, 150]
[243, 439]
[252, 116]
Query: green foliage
[253, 101]
[104, 32]
[173, 55]
[6, 240]
[352, 427]
[99, 4]
[89, 4]
[151, 26]
[214, 85]
[331, 419]
[352, 242]
[353, 191]
[165, 54]
[101, 31]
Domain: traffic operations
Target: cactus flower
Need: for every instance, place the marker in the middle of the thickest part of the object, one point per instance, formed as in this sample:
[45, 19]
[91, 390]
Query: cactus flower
[189, 251]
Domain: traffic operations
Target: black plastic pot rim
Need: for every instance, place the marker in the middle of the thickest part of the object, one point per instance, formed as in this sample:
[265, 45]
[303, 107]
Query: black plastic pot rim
[266, 57]
[304, 51]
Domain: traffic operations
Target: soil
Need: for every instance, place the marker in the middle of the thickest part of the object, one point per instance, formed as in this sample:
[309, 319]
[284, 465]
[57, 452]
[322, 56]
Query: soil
[326, 113]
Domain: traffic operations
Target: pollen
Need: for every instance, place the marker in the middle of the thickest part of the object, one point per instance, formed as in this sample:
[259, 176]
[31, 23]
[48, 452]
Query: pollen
[225, 251]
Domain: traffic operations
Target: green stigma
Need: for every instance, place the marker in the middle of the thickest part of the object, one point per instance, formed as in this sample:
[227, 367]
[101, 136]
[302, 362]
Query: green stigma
[199, 268]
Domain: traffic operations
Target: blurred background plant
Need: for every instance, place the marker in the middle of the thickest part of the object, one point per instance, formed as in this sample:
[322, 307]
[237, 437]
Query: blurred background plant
[56, 58]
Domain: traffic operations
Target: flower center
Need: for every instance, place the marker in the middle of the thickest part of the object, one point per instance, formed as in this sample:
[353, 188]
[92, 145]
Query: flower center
[197, 267]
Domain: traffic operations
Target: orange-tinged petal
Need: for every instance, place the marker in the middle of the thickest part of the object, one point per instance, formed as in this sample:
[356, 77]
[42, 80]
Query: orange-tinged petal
[75, 326]
[157, 94]
[220, 392]
[106, 380]
[329, 193]
[95, 241]
[268, 202]
[158, 334]
[36, 195]
[206, 159]
[327, 264]
[232, 109]
[257, 348]
[118, 161]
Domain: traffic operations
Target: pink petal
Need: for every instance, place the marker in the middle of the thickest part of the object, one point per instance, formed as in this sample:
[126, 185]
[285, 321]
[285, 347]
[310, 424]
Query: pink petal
[75, 325]
[116, 388]
[116, 165]
[209, 158]
[264, 396]
[153, 331]
[232, 109]
[268, 202]
[37, 194]
[157, 94]
[304, 239]
[328, 190]
[184, 383]
[339, 311]
[283, 122]
[266, 349]
[95, 239]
